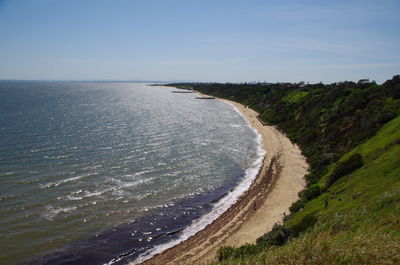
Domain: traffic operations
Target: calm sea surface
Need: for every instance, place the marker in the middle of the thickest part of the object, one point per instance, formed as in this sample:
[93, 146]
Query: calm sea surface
[106, 172]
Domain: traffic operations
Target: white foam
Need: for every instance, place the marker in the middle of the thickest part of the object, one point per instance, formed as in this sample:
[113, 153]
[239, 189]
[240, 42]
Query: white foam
[74, 198]
[96, 193]
[51, 211]
[235, 125]
[143, 172]
[58, 183]
[218, 208]
[118, 187]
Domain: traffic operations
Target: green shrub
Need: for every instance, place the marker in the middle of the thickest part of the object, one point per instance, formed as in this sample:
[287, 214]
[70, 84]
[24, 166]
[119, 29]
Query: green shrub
[328, 158]
[279, 235]
[297, 205]
[310, 193]
[240, 252]
[346, 167]
[385, 116]
[276, 237]
[306, 223]
[311, 178]
[225, 253]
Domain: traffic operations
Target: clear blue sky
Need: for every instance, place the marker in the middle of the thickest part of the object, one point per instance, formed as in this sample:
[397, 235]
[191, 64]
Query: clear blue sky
[200, 40]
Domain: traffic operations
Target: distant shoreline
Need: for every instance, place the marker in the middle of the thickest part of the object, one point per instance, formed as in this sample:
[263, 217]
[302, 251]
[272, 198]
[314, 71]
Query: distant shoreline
[275, 188]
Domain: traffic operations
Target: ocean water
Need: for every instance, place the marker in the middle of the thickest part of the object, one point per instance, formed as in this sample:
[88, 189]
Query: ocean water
[113, 172]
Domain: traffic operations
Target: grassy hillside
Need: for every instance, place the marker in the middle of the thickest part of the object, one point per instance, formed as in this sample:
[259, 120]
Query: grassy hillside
[350, 211]
[357, 218]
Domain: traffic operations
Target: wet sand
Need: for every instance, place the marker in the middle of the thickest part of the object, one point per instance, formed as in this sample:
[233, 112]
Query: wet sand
[264, 204]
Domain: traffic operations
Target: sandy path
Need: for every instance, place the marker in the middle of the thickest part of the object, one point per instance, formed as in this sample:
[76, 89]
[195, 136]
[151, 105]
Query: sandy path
[265, 203]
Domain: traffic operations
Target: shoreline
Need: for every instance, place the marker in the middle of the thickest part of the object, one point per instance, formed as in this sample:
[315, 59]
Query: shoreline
[267, 200]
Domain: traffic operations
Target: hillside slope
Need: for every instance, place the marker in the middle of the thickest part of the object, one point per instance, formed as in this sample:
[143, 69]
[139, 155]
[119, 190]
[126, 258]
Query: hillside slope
[355, 221]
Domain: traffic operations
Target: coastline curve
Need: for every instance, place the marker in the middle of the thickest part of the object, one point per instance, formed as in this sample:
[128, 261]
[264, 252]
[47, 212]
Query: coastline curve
[253, 211]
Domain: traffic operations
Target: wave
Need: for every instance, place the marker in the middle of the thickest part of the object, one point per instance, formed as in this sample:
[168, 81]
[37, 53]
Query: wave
[58, 183]
[116, 186]
[219, 207]
[51, 211]
[56, 157]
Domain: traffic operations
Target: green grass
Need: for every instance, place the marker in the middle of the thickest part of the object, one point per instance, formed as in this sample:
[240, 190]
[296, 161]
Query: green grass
[295, 96]
[321, 248]
[358, 216]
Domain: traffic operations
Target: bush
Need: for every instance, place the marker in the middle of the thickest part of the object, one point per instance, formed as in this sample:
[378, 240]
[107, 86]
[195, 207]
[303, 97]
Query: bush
[276, 237]
[386, 116]
[225, 253]
[311, 178]
[306, 223]
[328, 158]
[296, 206]
[346, 167]
[310, 193]
[240, 252]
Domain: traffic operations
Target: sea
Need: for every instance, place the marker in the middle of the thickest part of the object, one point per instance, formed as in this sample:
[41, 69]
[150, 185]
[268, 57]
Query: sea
[114, 172]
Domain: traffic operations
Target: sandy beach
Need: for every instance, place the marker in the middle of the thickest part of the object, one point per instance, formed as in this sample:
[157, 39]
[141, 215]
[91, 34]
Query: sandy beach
[264, 204]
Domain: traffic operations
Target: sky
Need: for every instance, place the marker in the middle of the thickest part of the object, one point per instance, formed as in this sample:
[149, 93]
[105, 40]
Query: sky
[200, 40]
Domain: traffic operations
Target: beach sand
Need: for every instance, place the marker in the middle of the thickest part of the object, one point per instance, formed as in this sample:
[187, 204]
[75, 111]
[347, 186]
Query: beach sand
[266, 202]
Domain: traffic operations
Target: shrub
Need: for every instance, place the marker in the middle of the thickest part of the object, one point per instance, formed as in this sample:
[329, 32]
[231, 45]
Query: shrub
[276, 237]
[311, 178]
[328, 158]
[346, 167]
[310, 193]
[225, 253]
[306, 223]
[240, 252]
[385, 116]
[296, 206]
